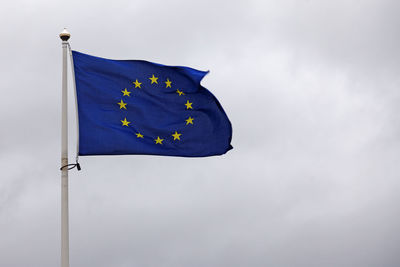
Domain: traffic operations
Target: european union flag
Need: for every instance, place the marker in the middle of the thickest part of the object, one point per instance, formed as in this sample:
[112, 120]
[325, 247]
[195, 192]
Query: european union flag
[139, 107]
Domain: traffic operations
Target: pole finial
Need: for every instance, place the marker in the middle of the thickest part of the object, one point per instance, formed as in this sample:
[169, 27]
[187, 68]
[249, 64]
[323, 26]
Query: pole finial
[64, 35]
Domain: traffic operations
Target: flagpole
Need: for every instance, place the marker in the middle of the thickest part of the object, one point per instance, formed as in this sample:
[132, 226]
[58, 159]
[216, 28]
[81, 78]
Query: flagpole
[64, 35]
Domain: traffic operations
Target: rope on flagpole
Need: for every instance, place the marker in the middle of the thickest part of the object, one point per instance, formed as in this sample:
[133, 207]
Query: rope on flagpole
[77, 165]
[71, 166]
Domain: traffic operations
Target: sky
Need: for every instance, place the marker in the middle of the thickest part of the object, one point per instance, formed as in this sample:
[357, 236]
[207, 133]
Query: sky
[312, 91]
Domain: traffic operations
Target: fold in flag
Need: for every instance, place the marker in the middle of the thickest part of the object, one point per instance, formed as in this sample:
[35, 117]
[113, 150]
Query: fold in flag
[139, 107]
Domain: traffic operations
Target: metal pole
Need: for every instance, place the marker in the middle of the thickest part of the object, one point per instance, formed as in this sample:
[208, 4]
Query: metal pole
[64, 35]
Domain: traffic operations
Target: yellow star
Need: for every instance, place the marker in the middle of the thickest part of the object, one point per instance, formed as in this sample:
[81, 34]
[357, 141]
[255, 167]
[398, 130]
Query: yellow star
[137, 84]
[159, 140]
[125, 122]
[180, 92]
[139, 135]
[168, 83]
[126, 92]
[176, 135]
[153, 79]
[188, 105]
[189, 121]
[122, 104]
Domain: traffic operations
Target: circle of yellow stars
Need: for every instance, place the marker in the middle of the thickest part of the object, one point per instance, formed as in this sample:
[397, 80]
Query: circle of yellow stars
[154, 80]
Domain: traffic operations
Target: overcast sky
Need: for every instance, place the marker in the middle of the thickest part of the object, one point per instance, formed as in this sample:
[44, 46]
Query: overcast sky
[312, 91]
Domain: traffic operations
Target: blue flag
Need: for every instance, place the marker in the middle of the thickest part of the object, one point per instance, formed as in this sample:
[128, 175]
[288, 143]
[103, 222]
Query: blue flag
[139, 107]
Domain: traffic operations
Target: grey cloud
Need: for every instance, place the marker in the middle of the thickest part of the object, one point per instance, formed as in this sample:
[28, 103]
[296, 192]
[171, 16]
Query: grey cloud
[311, 88]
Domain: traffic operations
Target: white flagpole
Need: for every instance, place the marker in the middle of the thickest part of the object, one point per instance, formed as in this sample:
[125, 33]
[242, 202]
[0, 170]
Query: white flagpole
[64, 35]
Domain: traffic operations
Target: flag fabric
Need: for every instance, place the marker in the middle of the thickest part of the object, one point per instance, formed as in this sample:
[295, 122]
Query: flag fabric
[139, 107]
